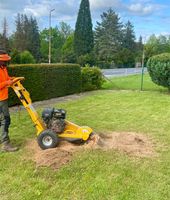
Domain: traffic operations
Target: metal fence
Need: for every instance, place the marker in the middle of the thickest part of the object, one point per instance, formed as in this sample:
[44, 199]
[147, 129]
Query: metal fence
[122, 71]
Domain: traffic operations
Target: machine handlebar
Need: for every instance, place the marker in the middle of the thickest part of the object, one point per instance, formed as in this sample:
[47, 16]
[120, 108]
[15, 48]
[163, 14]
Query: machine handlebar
[18, 79]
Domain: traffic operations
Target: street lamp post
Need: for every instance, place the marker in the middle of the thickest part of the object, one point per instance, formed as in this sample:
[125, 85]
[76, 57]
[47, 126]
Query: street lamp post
[49, 53]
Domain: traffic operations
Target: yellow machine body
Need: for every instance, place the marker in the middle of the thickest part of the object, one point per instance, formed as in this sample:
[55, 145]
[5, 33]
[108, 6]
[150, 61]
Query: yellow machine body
[71, 131]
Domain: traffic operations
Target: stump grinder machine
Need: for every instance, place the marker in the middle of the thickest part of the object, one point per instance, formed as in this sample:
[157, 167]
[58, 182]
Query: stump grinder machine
[54, 127]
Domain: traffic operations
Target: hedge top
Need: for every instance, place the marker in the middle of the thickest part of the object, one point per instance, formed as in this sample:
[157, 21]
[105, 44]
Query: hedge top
[46, 65]
[47, 81]
[164, 57]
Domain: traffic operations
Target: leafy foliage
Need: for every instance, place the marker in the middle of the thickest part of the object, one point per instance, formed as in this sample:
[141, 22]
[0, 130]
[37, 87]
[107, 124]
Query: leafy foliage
[92, 78]
[159, 69]
[65, 30]
[67, 50]
[157, 45]
[26, 58]
[15, 55]
[47, 81]
[125, 58]
[56, 44]
[26, 36]
[114, 42]
[87, 59]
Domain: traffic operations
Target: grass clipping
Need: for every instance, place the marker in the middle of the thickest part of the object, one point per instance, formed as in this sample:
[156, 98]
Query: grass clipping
[131, 143]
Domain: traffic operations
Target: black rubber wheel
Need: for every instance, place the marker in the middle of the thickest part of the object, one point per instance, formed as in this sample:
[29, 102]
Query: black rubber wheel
[48, 139]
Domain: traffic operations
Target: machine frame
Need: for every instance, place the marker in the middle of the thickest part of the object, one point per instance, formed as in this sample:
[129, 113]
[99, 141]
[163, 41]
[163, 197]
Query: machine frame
[71, 131]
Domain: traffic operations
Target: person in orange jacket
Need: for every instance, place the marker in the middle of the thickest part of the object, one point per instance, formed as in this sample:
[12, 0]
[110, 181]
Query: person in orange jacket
[5, 82]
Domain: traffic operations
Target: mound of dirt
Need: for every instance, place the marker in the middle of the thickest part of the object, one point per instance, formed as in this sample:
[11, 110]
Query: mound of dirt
[53, 158]
[130, 143]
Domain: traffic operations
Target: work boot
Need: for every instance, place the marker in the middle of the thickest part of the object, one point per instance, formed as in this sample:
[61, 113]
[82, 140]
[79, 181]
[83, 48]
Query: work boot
[7, 147]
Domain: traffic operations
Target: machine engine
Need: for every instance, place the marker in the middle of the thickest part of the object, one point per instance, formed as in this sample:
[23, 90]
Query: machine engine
[54, 119]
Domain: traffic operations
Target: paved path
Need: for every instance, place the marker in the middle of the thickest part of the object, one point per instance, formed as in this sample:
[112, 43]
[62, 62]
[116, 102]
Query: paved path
[50, 102]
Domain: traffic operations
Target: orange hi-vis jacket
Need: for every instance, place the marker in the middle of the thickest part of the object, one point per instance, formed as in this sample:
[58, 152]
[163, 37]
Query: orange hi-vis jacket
[4, 78]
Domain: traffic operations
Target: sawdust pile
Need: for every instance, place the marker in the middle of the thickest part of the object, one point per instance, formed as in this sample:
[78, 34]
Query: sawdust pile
[131, 143]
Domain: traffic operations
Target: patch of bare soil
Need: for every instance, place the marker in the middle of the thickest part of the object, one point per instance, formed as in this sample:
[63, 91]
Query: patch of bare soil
[131, 143]
[54, 158]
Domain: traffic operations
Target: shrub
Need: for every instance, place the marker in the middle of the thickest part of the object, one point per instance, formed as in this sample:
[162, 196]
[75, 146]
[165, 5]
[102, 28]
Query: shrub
[15, 55]
[26, 57]
[159, 69]
[47, 81]
[104, 65]
[88, 59]
[92, 78]
[67, 50]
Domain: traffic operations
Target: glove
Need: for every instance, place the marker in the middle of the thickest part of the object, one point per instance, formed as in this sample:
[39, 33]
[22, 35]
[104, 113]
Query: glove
[9, 82]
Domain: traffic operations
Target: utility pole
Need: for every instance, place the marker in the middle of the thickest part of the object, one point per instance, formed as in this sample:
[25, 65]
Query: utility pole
[49, 53]
[143, 58]
[143, 63]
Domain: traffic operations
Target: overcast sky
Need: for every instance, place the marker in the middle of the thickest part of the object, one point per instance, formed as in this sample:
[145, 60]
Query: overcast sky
[147, 16]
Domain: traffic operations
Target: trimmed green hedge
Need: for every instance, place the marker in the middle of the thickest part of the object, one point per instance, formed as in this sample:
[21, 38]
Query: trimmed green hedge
[159, 69]
[45, 81]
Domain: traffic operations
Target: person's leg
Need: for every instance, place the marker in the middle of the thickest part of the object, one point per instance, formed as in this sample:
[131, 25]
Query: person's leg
[5, 123]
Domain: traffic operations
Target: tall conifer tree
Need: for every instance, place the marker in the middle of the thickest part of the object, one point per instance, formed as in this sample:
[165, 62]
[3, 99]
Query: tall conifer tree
[129, 37]
[19, 40]
[83, 36]
[34, 38]
[108, 36]
[4, 41]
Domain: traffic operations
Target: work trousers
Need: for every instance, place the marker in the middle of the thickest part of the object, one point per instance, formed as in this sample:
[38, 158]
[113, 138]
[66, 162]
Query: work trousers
[4, 121]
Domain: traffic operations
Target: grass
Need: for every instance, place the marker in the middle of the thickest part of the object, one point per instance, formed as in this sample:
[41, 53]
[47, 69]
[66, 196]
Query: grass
[95, 174]
[132, 82]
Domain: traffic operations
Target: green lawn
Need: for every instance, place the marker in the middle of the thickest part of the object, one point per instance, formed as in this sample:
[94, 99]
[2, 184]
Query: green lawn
[132, 82]
[95, 174]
